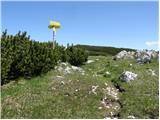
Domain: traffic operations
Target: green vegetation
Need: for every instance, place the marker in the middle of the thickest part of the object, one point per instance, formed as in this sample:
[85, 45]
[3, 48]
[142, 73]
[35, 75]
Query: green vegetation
[76, 55]
[100, 50]
[20, 56]
[59, 95]
[23, 57]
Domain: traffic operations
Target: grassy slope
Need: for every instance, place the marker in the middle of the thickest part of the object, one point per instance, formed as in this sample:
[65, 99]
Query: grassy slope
[46, 97]
[103, 50]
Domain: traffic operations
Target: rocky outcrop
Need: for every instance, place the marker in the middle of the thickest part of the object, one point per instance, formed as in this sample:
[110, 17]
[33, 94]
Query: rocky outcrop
[141, 56]
[124, 55]
[145, 56]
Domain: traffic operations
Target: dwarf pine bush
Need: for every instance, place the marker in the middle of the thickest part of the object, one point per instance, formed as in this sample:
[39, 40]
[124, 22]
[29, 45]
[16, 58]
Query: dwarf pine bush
[21, 56]
[76, 55]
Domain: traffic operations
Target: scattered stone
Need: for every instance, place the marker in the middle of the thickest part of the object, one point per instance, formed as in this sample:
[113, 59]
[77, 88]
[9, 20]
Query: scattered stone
[111, 113]
[99, 108]
[116, 107]
[75, 68]
[90, 61]
[77, 90]
[66, 94]
[131, 117]
[106, 84]
[59, 77]
[62, 83]
[106, 102]
[64, 64]
[110, 118]
[152, 72]
[128, 76]
[112, 92]
[93, 89]
[60, 69]
[107, 118]
[67, 70]
[108, 73]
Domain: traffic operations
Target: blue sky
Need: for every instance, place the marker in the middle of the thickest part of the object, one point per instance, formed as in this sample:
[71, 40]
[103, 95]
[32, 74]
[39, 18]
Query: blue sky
[118, 24]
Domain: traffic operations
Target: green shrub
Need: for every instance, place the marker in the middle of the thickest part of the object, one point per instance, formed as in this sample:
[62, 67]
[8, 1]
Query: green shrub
[76, 55]
[21, 56]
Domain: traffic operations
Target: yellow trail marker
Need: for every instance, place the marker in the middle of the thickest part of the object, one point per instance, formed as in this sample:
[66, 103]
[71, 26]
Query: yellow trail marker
[54, 26]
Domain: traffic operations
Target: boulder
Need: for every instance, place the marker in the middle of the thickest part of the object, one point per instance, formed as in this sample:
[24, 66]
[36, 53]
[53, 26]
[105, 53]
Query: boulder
[144, 59]
[124, 55]
[127, 76]
[144, 56]
[150, 53]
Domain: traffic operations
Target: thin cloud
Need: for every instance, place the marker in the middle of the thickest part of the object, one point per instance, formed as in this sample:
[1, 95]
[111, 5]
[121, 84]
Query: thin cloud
[151, 43]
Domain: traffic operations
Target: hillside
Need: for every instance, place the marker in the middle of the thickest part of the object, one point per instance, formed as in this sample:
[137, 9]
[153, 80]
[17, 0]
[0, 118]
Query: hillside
[103, 50]
[85, 92]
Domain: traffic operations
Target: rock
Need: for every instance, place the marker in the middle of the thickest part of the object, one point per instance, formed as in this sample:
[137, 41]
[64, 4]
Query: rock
[90, 61]
[144, 59]
[131, 117]
[106, 84]
[59, 77]
[112, 92]
[152, 53]
[128, 76]
[67, 70]
[75, 68]
[152, 72]
[99, 108]
[145, 56]
[124, 55]
[64, 64]
[62, 83]
[59, 68]
[76, 90]
[93, 89]
[108, 73]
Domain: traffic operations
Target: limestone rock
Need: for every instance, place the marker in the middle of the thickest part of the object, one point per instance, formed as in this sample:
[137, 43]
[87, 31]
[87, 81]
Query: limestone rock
[128, 76]
[124, 55]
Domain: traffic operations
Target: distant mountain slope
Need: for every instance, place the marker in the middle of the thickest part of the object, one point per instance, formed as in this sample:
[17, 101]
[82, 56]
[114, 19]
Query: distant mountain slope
[102, 50]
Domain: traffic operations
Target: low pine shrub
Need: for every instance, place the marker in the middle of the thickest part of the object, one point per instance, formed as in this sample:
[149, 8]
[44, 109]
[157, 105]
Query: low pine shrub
[76, 55]
[21, 56]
